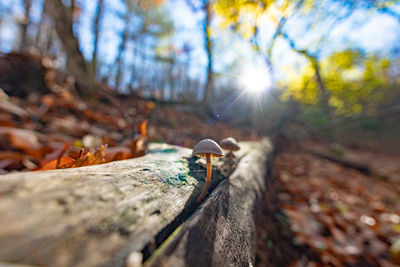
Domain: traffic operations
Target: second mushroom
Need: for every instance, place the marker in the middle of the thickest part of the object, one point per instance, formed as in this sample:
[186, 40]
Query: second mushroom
[231, 145]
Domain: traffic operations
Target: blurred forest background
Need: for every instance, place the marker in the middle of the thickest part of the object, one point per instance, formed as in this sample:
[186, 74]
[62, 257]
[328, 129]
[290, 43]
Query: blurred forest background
[87, 82]
[328, 67]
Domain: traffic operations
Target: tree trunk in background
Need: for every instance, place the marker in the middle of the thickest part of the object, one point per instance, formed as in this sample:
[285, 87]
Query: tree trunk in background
[73, 11]
[144, 60]
[96, 30]
[76, 64]
[161, 86]
[209, 90]
[25, 24]
[50, 40]
[41, 25]
[324, 101]
[321, 84]
[121, 50]
[171, 80]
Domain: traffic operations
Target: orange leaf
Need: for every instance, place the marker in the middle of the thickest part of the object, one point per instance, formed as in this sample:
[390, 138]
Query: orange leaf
[62, 163]
[98, 157]
[10, 155]
[48, 100]
[25, 140]
[57, 153]
[118, 153]
[138, 147]
[143, 128]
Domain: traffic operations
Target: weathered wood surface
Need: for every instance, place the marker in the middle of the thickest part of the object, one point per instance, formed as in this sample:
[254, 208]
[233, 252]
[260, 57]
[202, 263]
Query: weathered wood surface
[97, 215]
[222, 231]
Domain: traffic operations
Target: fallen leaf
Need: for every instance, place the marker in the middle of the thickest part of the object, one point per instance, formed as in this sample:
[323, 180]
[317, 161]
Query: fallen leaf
[63, 162]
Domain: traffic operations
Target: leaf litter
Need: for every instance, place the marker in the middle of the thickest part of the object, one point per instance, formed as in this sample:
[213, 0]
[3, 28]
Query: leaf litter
[60, 130]
[334, 215]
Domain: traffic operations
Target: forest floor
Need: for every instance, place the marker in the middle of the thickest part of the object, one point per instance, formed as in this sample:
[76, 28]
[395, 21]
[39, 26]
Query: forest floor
[320, 213]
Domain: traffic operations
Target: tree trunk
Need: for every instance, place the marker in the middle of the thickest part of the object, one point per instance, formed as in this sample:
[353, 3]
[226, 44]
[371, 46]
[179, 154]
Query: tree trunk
[121, 50]
[76, 64]
[209, 90]
[73, 9]
[132, 80]
[321, 84]
[41, 25]
[324, 100]
[171, 79]
[97, 20]
[25, 24]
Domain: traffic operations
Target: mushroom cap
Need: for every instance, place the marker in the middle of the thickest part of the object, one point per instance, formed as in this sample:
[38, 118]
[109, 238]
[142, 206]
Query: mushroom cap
[207, 146]
[229, 143]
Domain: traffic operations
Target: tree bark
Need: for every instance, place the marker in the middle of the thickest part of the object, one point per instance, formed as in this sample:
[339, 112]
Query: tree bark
[76, 64]
[324, 99]
[118, 61]
[41, 25]
[321, 84]
[97, 21]
[25, 24]
[209, 88]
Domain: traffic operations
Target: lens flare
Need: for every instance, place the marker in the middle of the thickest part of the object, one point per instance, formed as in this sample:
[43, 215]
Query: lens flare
[255, 79]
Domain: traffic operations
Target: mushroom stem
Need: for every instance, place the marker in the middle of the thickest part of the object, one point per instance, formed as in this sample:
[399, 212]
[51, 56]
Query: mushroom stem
[208, 180]
[229, 158]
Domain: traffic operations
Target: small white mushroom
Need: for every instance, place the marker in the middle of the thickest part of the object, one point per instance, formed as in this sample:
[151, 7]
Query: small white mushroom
[208, 149]
[229, 144]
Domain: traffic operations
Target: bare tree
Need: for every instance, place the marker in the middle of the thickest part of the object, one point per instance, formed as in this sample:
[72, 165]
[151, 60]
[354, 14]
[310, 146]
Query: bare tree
[209, 90]
[24, 24]
[121, 49]
[205, 7]
[97, 22]
[317, 69]
[41, 25]
[76, 65]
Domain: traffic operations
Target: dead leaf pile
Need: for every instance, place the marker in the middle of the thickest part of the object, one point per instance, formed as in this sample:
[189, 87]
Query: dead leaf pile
[345, 217]
[384, 164]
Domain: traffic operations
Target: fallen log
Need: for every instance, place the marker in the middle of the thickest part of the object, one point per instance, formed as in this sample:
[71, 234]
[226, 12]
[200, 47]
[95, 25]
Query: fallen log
[99, 215]
[222, 231]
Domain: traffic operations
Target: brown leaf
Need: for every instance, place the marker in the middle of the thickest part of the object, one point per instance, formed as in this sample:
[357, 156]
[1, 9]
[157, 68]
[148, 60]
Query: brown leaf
[138, 147]
[24, 140]
[61, 163]
[98, 157]
[57, 153]
[143, 128]
[118, 153]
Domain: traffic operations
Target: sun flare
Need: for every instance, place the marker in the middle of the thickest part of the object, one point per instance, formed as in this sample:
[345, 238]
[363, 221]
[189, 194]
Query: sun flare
[255, 79]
